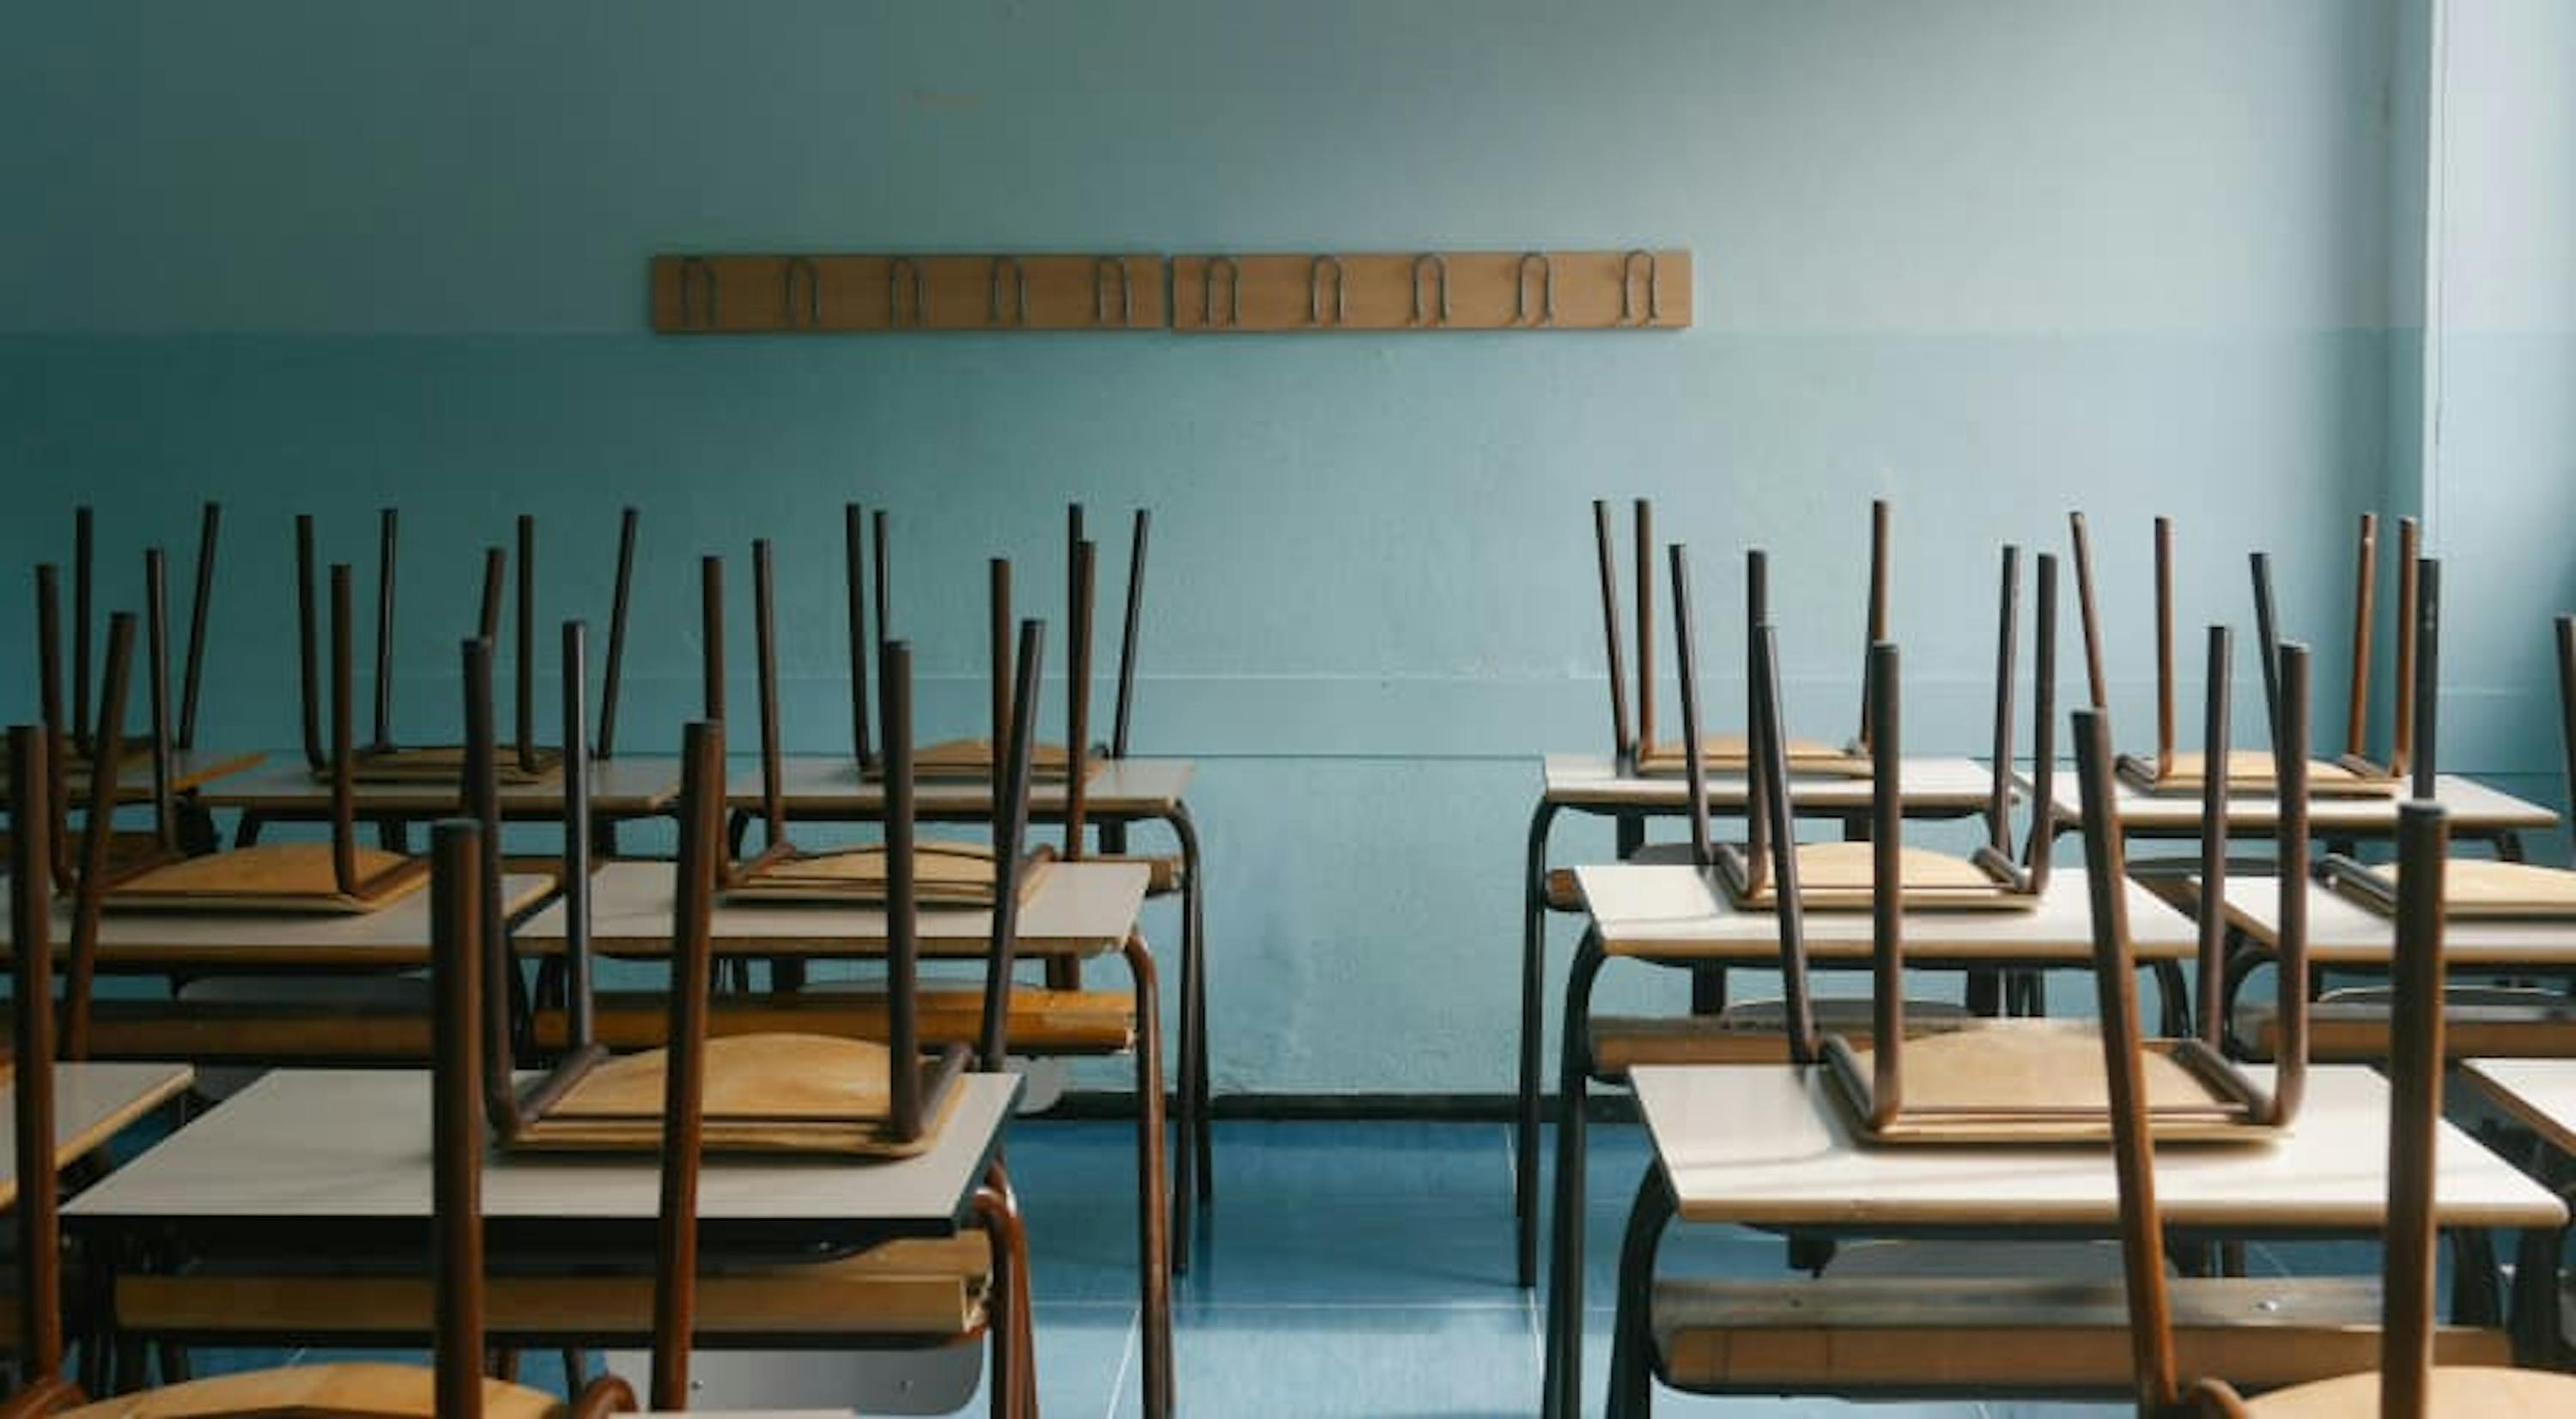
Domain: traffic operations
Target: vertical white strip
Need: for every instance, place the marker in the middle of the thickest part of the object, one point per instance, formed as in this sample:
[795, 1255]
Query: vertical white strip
[2436, 178]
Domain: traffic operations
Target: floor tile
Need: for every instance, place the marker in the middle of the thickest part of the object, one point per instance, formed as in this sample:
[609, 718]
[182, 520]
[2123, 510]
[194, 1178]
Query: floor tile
[1670, 1404]
[1385, 1362]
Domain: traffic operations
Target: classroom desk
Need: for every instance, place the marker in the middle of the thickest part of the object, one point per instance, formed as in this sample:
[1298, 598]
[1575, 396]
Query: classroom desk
[92, 1104]
[1763, 1146]
[1077, 910]
[305, 1161]
[2478, 814]
[1591, 784]
[283, 789]
[2540, 1094]
[191, 943]
[2344, 934]
[826, 788]
[1678, 916]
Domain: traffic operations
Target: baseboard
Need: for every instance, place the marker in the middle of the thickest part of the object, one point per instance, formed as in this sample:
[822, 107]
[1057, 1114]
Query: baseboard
[1371, 1107]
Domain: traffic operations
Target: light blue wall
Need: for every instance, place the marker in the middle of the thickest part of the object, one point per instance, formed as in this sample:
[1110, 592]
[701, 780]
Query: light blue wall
[1989, 260]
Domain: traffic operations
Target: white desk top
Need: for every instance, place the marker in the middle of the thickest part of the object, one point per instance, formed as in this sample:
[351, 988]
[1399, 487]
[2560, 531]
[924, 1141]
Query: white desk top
[354, 1145]
[1763, 1144]
[1934, 787]
[92, 1104]
[625, 786]
[1659, 911]
[2343, 932]
[2475, 808]
[394, 938]
[189, 769]
[817, 785]
[1077, 909]
[2541, 1093]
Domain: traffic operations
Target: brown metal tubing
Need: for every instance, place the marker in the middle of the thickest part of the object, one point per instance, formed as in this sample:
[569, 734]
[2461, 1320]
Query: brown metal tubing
[764, 641]
[621, 604]
[156, 651]
[496, 576]
[997, 577]
[2290, 948]
[84, 545]
[31, 927]
[2216, 738]
[1153, 1215]
[1134, 623]
[387, 522]
[457, 929]
[2410, 630]
[192, 678]
[854, 589]
[2115, 978]
[711, 695]
[675, 1285]
[1758, 692]
[1887, 886]
[1798, 1001]
[307, 641]
[1645, 535]
[2267, 638]
[2419, 729]
[2041, 844]
[524, 665]
[1999, 794]
[49, 694]
[1623, 748]
[2164, 647]
[1010, 837]
[903, 941]
[577, 841]
[881, 573]
[1879, 572]
[1686, 664]
[481, 794]
[344, 805]
[2364, 612]
[108, 740]
[2096, 678]
[2414, 1109]
[1077, 734]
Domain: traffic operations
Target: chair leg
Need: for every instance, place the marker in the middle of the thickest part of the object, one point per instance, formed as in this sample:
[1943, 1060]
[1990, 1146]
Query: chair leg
[1525, 1123]
[576, 1368]
[173, 1360]
[1153, 1222]
[1562, 1350]
[1632, 1382]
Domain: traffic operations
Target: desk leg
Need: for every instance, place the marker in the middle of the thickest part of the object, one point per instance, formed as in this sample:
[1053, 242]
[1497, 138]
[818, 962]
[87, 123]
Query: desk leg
[1194, 1171]
[1153, 1216]
[2536, 1299]
[1632, 1378]
[2508, 846]
[2477, 1283]
[246, 831]
[1561, 1350]
[1533, 1026]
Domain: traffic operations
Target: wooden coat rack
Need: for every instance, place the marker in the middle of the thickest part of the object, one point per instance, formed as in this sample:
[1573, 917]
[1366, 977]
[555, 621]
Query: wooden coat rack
[788, 294]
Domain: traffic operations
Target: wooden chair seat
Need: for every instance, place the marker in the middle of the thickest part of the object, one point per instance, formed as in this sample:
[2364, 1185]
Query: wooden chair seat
[946, 874]
[1165, 872]
[2458, 1391]
[271, 877]
[766, 1093]
[1889, 1336]
[971, 761]
[925, 1286]
[1749, 1032]
[354, 1391]
[443, 765]
[1733, 754]
[2478, 1021]
[2251, 771]
[1042, 1021]
[2040, 1081]
[1837, 877]
[308, 1021]
[2475, 889]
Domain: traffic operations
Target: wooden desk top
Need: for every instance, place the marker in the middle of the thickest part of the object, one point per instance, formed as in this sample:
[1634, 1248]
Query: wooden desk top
[825, 785]
[1077, 909]
[627, 786]
[92, 1104]
[1934, 788]
[395, 938]
[354, 1145]
[2343, 932]
[2540, 1093]
[1675, 912]
[2475, 808]
[190, 769]
[1763, 1144]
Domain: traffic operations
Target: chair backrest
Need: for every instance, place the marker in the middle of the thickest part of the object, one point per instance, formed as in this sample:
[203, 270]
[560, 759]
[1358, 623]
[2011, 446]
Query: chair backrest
[2415, 1088]
[388, 537]
[2031, 860]
[2407, 735]
[31, 920]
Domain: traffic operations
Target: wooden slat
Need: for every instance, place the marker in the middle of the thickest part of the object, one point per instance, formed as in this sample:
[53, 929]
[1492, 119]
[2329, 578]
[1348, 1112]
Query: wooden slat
[772, 293]
[1389, 291]
[1044, 1021]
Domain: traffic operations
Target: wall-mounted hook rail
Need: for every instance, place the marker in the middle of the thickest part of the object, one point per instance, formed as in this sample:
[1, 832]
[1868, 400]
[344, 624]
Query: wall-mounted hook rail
[1546, 314]
[1105, 269]
[1437, 313]
[811, 308]
[1654, 287]
[898, 269]
[1016, 312]
[697, 274]
[1233, 291]
[1315, 273]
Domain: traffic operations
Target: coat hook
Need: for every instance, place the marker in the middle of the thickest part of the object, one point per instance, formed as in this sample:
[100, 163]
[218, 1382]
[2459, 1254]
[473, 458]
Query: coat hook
[1654, 288]
[803, 265]
[1315, 270]
[704, 273]
[1019, 307]
[1546, 288]
[1233, 291]
[897, 269]
[1102, 269]
[1439, 268]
